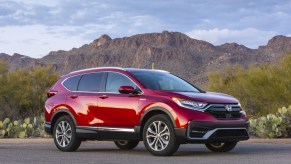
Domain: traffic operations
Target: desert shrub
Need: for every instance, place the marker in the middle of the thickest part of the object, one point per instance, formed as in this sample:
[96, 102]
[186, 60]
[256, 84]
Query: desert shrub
[23, 128]
[23, 92]
[261, 90]
[273, 125]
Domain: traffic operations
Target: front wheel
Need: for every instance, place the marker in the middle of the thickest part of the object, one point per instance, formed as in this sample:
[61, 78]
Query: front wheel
[65, 137]
[159, 136]
[126, 145]
[221, 147]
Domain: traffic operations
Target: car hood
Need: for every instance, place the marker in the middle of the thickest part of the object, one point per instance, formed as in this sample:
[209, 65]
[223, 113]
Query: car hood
[209, 97]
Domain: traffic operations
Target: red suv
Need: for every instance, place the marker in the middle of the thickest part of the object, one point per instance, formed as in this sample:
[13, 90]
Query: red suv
[130, 105]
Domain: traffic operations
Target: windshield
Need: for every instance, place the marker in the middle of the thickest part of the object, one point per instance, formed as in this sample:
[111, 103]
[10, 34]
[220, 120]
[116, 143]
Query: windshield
[163, 81]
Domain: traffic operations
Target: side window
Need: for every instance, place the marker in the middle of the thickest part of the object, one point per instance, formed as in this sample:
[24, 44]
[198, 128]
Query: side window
[72, 83]
[115, 80]
[91, 82]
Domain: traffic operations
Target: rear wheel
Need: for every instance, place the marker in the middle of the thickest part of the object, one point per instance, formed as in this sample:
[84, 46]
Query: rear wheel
[221, 147]
[159, 136]
[126, 145]
[65, 137]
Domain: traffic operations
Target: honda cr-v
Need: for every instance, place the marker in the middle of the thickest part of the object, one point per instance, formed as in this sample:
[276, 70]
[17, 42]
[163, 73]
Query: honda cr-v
[131, 105]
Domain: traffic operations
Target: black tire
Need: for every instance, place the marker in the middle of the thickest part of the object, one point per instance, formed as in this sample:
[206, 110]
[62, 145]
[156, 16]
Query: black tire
[66, 140]
[166, 144]
[221, 147]
[126, 145]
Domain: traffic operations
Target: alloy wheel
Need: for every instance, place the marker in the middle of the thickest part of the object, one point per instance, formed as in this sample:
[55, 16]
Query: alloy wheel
[158, 135]
[63, 133]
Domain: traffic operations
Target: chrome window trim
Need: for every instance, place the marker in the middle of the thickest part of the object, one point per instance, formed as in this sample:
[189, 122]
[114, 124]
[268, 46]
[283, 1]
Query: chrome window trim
[112, 129]
[99, 92]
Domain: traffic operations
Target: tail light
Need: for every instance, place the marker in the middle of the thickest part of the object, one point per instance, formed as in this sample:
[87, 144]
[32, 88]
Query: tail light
[51, 93]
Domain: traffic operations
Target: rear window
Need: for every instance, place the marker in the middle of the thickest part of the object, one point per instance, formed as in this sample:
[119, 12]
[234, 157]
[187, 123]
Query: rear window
[91, 82]
[72, 83]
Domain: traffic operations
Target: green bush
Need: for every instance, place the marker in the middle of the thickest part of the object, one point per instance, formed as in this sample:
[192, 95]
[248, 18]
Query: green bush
[23, 92]
[261, 90]
[273, 125]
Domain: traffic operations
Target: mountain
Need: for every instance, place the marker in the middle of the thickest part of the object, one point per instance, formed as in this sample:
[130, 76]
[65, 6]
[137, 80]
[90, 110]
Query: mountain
[17, 61]
[173, 51]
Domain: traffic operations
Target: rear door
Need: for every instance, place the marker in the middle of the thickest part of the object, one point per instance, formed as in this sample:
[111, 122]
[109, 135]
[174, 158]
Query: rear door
[84, 98]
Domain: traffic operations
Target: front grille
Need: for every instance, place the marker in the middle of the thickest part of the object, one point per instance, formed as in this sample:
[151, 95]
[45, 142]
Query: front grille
[221, 113]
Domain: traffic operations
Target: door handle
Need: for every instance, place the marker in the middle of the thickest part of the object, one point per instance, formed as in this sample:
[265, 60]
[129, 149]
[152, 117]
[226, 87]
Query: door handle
[103, 97]
[73, 96]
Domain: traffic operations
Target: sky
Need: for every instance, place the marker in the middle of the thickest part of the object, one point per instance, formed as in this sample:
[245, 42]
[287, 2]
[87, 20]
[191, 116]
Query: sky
[36, 27]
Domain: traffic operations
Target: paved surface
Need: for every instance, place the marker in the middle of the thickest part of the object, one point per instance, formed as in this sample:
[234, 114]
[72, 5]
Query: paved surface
[44, 151]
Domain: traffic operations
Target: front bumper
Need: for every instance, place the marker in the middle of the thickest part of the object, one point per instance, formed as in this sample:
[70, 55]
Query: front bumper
[207, 132]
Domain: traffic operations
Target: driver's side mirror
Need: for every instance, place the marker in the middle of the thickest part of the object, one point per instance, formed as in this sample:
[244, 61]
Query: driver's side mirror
[126, 89]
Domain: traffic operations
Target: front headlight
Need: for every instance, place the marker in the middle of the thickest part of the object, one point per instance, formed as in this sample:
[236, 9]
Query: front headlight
[190, 104]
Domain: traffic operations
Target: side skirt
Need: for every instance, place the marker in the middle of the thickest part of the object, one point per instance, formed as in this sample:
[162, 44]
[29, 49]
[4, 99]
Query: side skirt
[107, 133]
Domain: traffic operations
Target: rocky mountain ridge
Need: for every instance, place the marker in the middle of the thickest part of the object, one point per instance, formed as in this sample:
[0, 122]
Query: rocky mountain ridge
[173, 51]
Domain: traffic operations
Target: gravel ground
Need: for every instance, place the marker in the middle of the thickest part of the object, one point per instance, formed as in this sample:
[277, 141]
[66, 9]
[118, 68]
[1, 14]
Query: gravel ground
[37, 150]
[50, 140]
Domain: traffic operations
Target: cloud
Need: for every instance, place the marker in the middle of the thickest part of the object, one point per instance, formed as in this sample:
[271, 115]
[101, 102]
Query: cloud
[51, 3]
[249, 37]
[74, 23]
[39, 40]
[30, 31]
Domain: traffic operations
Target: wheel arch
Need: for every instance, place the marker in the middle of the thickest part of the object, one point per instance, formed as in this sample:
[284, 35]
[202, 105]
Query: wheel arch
[59, 113]
[154, 111]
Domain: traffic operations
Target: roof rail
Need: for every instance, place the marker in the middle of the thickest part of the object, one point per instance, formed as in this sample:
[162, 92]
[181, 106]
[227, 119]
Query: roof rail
[160, 70]
[96, 68]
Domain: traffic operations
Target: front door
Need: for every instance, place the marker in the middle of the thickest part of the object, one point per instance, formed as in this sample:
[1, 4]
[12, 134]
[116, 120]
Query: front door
[116, 109]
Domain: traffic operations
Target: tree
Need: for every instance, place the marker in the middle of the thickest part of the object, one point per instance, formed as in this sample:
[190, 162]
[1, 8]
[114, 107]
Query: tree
[23, 92]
